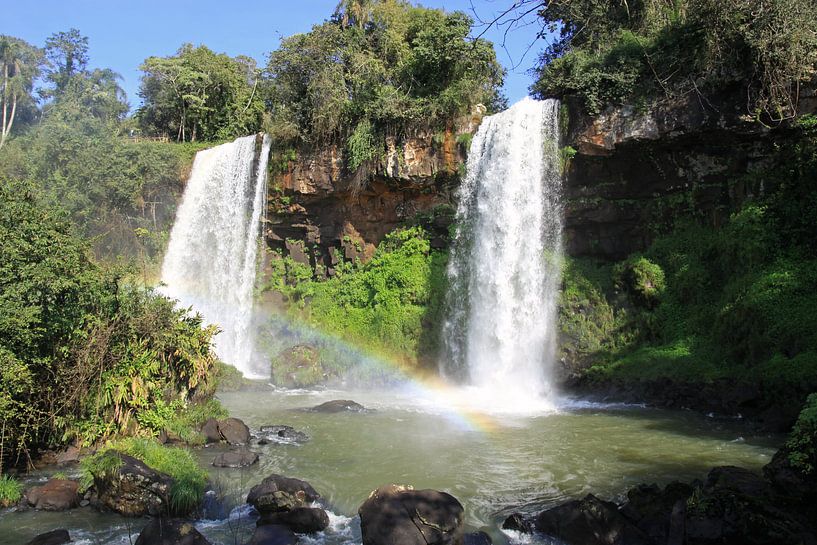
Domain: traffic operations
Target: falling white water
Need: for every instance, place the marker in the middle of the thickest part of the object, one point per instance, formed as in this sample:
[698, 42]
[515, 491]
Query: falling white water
[210, 263]
[504, 270]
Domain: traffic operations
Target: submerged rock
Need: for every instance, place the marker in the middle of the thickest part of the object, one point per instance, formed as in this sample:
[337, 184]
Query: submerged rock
[277, 493]
[339, 406]
[54, 537]
[283, 434]
[134, 489]
[162, 531]
[399, 514]
[55, 495]
[273, 534]
[301, 520]
[236, 458]
[590, 521]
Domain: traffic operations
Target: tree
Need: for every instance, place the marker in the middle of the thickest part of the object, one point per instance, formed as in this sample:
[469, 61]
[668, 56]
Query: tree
[67, 54]
[21, 64]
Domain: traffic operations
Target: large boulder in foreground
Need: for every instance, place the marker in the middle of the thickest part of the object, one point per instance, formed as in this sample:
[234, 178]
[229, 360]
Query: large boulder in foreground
[55, 495]
[54, 537]
[133, 490]
[590, 521]
[339, 406]
[399, 514]
[231, 430]
[161, 531]
[236, 458]
[273, 534]
[301, 520]
[277, 493]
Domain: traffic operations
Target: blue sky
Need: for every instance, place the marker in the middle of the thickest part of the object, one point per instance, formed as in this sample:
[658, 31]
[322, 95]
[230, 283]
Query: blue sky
[123, 33]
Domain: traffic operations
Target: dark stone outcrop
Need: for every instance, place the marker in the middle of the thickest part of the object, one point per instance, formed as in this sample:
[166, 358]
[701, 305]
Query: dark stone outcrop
[162, 531]
[398, 514]
[301, 520]
[272, 534]
[517, 522]
[54, 537]
[234, 431]
[283, 434]
[236, 458]
[339, 406]
[134, 489]
[590, 521]
[55, 495]
[477, 538]
[277, 493]
[210, 431]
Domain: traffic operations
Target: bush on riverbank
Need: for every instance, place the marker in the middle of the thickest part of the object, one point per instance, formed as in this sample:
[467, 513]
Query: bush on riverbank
[10, 491]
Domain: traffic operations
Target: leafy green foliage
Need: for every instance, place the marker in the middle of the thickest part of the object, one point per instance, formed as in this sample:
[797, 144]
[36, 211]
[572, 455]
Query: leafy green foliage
[642, 279]
[10, 491]
[20, 64]
[189, 479]
[802, 443]
[393, 67]
[615, 52]
[200, 95]
[391, 304]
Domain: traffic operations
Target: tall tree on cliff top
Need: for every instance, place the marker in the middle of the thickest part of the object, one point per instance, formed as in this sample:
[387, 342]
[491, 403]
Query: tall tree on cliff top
[198, 94]
[20, 63]
[67, 54]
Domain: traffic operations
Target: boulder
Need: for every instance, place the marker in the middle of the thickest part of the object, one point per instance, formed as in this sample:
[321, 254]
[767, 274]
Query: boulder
[651, 508]
[297, 367]
[54, 537]
[134, 489]
[399, 514]
[301, 520]
[210, 431]
[236, 458]
[55, 495]
[477, 538]
[590, 521]
[277, 493]
[234, 431]
[273, 534]
[339, 406]
[283, 434]
[518, 523]
[162, 531]
[68, 456]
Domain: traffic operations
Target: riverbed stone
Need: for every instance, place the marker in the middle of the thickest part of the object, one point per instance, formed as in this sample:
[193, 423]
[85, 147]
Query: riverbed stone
[134, 489]
[277, 493]
[69, 456]
[339, 406]
[54, 537]
[301, 520]
[283, 434]
[273, 534]
[55, 495]
[210, 431]
[234, 431]
[399, 514]
[590, 521]
[236, 458]
[162, 531]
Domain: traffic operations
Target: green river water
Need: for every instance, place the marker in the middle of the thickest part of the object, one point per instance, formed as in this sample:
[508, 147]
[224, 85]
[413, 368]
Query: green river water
[494, 464]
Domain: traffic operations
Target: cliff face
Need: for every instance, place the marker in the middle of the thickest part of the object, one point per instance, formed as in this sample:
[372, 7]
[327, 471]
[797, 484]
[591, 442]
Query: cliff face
[634, 170]
[320, 213]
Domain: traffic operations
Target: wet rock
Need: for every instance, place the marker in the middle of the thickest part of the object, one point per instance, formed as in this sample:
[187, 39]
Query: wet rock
[54, 537]
[134, 489]
[283, 434]
[210, 431]
[651, 508]
[68, 456]
[234, 431]
[55, 495]
[518, 523]
[277, 493]
[162, 531]
[339, 406]
[273, 534]
[301, 520]
[477, 538]
[590, 521]
[236, 458]
[399, 514]
[737, 480]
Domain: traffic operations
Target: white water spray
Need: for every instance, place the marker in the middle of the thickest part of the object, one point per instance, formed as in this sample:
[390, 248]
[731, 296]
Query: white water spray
[210, 263]
[504, 270]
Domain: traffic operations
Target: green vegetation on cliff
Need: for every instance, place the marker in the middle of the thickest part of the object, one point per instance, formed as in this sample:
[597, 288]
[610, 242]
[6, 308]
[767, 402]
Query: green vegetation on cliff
[627, 52]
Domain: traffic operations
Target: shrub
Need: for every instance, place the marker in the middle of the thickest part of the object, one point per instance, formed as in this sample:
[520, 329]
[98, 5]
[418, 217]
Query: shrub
[802, 442]
[10, 491]
[642, 279]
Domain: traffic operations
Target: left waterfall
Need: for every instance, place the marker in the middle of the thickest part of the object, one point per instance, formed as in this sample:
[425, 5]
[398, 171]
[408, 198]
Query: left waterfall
[211, 260]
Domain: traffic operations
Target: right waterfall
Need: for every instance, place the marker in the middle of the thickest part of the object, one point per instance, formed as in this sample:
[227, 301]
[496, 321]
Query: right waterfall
[505, 264]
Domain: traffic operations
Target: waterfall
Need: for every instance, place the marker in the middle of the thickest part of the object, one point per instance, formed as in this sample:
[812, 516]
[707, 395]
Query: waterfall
[504, 268]
[210, 263]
